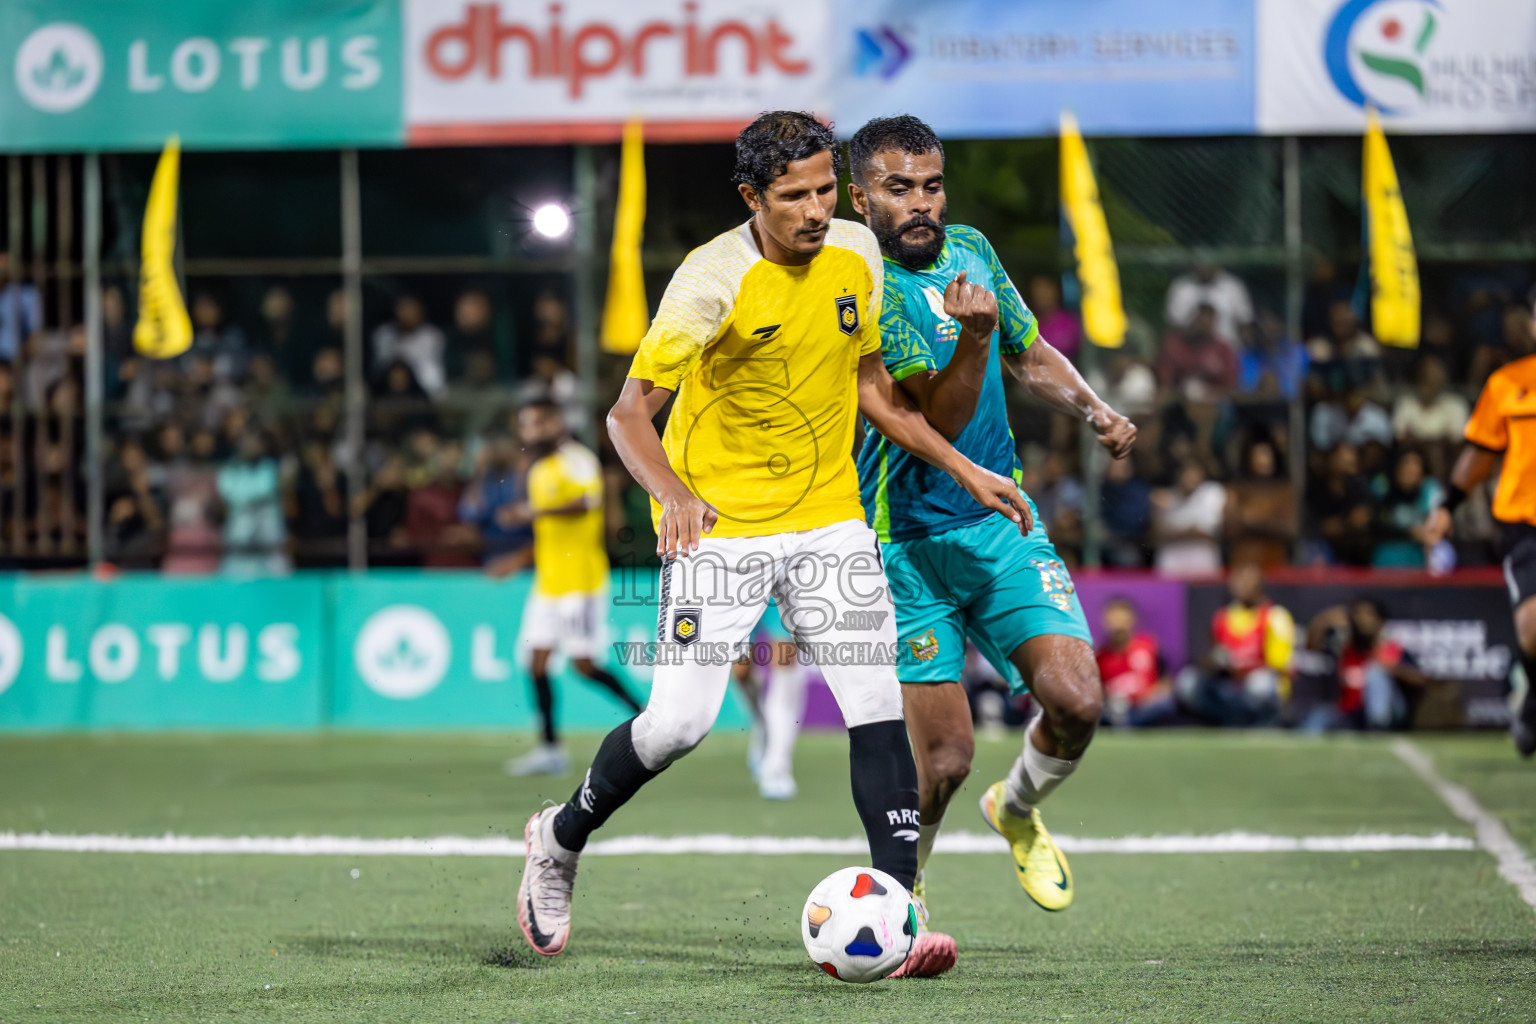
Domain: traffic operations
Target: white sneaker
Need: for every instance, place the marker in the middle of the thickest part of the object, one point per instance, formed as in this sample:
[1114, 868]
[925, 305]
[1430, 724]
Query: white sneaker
[545, 759]
[777, 787]
[544, 894]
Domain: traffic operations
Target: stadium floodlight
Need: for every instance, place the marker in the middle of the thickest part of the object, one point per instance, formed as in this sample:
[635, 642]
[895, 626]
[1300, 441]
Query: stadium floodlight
[552, 221]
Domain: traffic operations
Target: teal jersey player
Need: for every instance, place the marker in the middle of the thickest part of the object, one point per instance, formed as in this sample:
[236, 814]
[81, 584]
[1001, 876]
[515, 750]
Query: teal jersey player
[951, 323]
[957, 570]
[904, 497]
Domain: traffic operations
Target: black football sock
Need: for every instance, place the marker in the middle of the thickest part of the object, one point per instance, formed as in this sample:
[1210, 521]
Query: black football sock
[545, 695]
[1527, 710]
[616, 775]
[608, 681]
[885, 793]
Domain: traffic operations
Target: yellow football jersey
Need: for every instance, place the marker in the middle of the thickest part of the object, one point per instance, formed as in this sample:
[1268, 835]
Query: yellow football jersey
[764, 360]
[568, 552]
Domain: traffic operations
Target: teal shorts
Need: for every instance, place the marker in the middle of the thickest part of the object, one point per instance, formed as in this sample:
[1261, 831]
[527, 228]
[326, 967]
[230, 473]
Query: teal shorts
[983, 582]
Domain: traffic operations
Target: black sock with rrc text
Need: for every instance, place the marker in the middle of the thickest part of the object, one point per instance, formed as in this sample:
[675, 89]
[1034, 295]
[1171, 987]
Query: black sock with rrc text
[617, 774]
[885, 793]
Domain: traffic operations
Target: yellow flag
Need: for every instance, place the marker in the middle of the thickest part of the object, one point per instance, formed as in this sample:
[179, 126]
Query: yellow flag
[626, 316]
[164, 330]
[1394, 270]
[1103, 315]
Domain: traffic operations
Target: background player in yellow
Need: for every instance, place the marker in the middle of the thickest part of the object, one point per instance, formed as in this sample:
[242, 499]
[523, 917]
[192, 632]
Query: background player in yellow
[1503, 425]
[567, 609]
[769, 338]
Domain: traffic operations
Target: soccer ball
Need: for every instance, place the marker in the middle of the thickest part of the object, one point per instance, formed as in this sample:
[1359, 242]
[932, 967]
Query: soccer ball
[859, 924]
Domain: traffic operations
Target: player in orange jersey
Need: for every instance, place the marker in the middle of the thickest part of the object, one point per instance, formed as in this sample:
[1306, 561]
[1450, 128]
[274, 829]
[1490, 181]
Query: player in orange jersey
[1503, 425]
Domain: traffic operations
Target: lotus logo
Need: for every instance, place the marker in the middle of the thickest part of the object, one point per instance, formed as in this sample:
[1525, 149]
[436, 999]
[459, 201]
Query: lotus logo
[1374, 51]
[58, 67]
[402, 651]
[10, 653]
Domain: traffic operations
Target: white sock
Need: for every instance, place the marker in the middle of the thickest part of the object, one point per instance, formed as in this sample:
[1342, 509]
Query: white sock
[1034, 775]
[783, 707]
[926, 834]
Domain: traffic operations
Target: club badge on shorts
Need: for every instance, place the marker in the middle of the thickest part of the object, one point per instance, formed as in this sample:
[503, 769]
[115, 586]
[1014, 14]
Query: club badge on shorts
[685, 625]
[924, 647]
[847, 313]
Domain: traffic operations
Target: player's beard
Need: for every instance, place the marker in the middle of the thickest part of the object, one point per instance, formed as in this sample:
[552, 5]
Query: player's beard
[538, 449]
[894, 241]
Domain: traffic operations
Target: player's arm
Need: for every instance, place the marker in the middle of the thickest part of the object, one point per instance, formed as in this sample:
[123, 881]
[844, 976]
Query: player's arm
[1487, 436]
[692, 310]
[1048, 376]
[890, 410]
[684, 516]
[576, 507]
[948, 397]
[1474, 465]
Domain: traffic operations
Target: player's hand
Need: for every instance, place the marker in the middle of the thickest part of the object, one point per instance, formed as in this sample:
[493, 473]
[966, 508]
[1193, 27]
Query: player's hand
[1116, 433]
[1437, 527]
[997, 493]
[973, 306]
[511, 516]
[685, 518]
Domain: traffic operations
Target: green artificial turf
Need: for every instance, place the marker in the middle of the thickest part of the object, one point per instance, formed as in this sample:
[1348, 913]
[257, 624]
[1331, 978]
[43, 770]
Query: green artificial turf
[1201, 937]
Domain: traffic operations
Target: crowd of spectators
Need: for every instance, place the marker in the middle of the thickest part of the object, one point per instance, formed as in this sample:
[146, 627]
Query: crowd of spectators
[237, 455]
[1220, 394]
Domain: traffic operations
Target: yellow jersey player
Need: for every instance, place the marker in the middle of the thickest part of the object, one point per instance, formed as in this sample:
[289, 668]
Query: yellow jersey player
[769, 337]
[566, 608]
[1503, 426]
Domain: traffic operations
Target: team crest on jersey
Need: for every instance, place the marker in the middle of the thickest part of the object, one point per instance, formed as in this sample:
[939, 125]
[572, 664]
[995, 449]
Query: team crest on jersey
[686, 625]
[925, 647]
[847, 313]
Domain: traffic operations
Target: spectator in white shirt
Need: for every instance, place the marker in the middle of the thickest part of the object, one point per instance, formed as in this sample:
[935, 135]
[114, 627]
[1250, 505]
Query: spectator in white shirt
[1357, 421]
[1209, 285]
[1187, 522]
[411, 340]
[1429, 412]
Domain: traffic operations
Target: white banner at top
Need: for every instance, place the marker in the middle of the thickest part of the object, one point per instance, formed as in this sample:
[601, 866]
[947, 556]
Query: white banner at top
[1451, 66]
[575, 71]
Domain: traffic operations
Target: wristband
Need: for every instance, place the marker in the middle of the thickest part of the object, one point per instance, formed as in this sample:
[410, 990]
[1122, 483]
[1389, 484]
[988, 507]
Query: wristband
[1454, 496]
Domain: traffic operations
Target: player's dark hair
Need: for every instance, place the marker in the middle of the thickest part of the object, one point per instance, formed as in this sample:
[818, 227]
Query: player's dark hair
[1371, 603]
[766, 147]
[903, 133]
[1121, 601]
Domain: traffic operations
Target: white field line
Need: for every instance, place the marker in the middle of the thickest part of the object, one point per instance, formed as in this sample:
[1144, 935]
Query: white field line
[501, 846]
[1515, 867]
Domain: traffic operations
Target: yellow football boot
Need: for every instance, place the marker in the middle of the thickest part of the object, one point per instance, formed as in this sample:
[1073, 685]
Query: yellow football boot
[1043, 871]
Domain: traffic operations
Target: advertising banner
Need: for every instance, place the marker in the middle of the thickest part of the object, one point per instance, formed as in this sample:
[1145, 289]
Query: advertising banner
[1457, 633]
[440, 650]
[127, 75]
[1427, 65]
[980, 69]
[144, 652]
[510, 71]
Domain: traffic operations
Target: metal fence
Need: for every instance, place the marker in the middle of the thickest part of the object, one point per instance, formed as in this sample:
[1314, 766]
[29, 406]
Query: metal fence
[299, 259]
